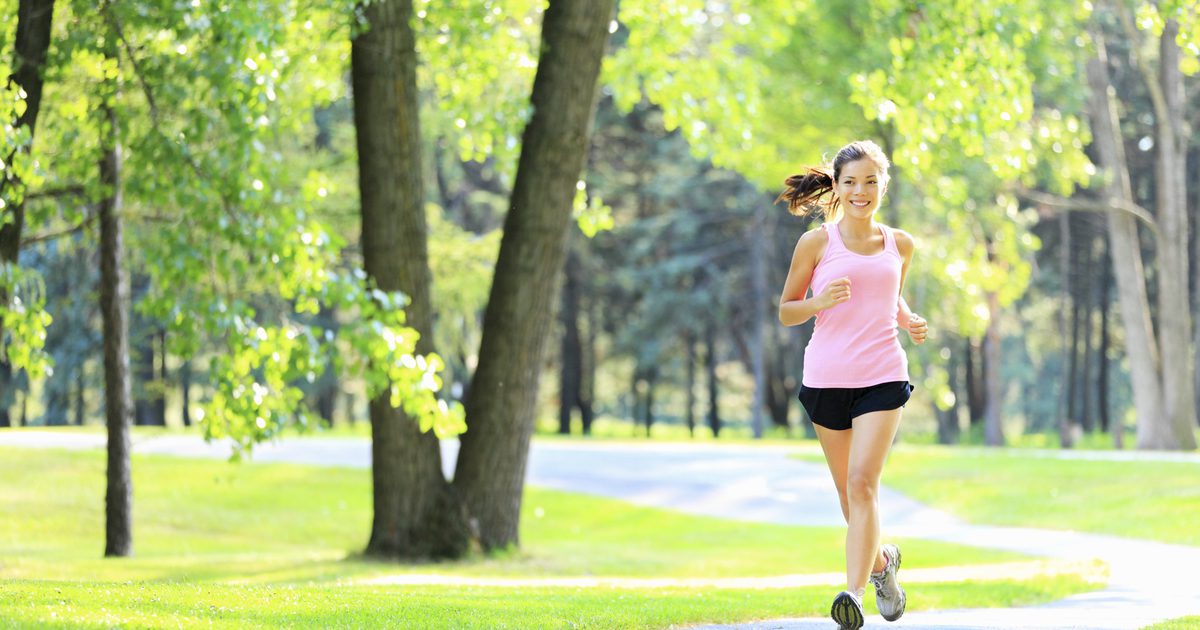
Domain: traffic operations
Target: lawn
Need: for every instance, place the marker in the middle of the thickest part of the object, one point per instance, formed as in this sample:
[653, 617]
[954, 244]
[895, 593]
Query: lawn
[1138, 499]
[272, 544]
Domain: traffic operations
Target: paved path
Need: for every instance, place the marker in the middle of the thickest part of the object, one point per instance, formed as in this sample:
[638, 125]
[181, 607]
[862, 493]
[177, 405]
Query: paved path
[1149, 581]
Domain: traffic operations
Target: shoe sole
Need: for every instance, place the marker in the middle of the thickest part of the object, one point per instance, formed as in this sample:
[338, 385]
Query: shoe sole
[903, 596]
[846, 613]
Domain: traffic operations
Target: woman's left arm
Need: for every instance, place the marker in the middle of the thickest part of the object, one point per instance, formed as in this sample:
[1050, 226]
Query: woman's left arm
[916, 325]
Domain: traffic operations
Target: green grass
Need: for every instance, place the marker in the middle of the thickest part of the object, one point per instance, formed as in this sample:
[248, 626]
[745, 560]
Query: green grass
[141, 604]
[1182, 623]
[275, 544]
[1142, 499]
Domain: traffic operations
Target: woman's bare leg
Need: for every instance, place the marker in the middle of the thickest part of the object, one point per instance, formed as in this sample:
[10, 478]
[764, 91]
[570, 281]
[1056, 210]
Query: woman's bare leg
[836, 445]
[873, 435]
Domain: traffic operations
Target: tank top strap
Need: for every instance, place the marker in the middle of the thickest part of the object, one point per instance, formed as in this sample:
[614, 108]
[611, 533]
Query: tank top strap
[889, 240]
[835, 236]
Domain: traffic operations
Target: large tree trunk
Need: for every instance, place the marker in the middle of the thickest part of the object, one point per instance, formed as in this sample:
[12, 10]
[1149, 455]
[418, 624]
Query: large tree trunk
[114, 297]
[1152, 427]
[416, 513]
[1174, 316]
[501, 404]
[29, 56]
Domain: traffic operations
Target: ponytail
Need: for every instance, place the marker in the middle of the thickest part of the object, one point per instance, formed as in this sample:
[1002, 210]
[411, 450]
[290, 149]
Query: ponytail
[810, 191]
[814, 189]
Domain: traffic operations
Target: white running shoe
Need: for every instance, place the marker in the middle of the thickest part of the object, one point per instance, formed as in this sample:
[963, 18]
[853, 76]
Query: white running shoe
[889, 596]
[847, 611]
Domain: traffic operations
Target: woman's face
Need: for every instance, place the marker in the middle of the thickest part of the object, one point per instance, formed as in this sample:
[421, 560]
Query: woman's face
[860, 186]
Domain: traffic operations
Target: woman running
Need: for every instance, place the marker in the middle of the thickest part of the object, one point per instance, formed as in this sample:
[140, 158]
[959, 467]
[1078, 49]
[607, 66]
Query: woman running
[855, 380]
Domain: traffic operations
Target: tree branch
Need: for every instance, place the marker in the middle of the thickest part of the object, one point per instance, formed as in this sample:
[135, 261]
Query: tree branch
[1112, 204]
[49, 236]
[73, 190]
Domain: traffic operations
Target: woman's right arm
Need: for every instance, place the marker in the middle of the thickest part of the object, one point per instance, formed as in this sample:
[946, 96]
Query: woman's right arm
[794, 309]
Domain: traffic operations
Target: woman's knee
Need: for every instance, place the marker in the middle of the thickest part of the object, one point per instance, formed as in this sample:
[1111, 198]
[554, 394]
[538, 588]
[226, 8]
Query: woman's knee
[862, 485]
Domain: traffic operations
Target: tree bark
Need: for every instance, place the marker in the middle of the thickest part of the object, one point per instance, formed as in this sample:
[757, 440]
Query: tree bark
[30, 46]
[114, 297]
[1140, 347]
[1174, 316]
[501, 404]
[416, 513]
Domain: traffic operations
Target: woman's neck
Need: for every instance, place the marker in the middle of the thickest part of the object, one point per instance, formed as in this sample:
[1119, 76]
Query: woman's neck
[858, 228]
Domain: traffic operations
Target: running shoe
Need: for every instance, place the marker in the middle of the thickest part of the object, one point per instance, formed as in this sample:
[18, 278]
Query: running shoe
[889, 596]
[847, 611]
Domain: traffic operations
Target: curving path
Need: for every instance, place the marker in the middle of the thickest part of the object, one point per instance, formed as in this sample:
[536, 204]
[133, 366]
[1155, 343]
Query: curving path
[1149, 581]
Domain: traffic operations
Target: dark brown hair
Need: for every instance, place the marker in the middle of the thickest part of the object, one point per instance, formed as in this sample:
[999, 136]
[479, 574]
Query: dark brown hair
[813, 189]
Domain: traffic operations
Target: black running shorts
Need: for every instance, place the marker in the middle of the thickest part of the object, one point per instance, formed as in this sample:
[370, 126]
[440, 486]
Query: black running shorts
[836, 407]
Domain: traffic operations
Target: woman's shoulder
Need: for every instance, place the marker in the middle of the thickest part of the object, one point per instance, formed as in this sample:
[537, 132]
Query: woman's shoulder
[904, 241]
[812, 244]
[815, 239]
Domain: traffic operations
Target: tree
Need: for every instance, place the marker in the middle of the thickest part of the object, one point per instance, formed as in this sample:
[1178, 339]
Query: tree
[1160, 363]
[114, 309]
[490, 472]
[22, 328]
[416, 512]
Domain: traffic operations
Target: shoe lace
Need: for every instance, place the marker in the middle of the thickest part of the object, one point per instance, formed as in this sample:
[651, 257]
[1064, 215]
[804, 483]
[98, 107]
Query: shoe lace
[880, 581]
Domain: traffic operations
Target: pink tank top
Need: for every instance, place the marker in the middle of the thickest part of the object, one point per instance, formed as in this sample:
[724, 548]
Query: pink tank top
[855, 343]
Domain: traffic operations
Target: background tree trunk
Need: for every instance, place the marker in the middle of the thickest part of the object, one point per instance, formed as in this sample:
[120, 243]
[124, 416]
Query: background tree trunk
[114, 297]
[993, 419]
[1066, 384]
[689, 341]
[502, 400]
[760, 298]
[710, 370]
[416, 512]
[1174, 317]
[1140, 346]
[571, 360]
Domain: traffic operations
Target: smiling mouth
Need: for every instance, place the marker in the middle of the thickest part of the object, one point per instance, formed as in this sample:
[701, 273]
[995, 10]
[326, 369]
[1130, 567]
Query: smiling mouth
[861, 204]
